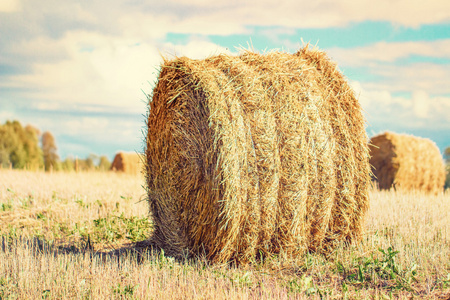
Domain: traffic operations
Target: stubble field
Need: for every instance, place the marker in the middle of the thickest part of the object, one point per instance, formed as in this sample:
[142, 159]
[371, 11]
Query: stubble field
[76, 236]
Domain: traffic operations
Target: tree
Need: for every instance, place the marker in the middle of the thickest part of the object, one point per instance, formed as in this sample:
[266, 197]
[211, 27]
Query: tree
[31, 145]
[447, 155]
[104, 163]
[447, 167]
[11, 143]
[6, 143]
[51, 158]
[447, 178]
[68, 164]
[94, 162]
[86, 164]
[19, 146]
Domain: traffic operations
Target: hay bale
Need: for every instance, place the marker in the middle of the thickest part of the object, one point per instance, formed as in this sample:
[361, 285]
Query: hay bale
[406, 162]
[255, 155]
[130, 163]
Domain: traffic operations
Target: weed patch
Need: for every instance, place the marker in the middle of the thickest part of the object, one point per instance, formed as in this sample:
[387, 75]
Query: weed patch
[381, 272]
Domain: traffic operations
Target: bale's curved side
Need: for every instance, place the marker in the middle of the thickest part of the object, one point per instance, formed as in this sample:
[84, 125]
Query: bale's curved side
[407, 162]
[245, 156]
[351, 153]
[306, 180]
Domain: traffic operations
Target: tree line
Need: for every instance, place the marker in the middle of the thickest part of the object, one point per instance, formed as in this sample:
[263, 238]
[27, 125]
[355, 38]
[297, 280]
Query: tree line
[28, 148]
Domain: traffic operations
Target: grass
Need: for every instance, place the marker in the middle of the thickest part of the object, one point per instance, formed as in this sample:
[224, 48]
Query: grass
[72, 235]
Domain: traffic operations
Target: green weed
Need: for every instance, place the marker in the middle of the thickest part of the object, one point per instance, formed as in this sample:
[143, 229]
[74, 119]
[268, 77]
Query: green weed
[126, 291]
[82, 203]
[113, 228]
[8, 206]
[370, 271]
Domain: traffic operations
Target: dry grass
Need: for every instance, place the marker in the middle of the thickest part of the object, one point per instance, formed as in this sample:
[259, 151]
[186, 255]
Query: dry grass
[58, 207]
[35, 263]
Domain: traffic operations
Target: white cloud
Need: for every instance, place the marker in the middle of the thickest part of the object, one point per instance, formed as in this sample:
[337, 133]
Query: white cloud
[86, 125]
[40, 48]
[317, 14]
[100, 69]
[382, 63]
[80, 135]
[412, 13]
[418, 110]
[148, 26]
[9, 6]
[195, 49]
[432, 78]
[154, 19]
[421, 104]
[6, 115]
[389, 52]
[206, 25]
[111, 71]
[47, 105]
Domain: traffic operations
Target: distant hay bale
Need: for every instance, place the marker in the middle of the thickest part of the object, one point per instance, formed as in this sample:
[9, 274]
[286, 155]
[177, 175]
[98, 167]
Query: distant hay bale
[130, 163]
[406, 162]
[255, 155]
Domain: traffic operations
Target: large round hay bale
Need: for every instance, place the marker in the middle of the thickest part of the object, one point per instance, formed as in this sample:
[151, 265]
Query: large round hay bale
[406, 162]
[130, 163]
[254, 155]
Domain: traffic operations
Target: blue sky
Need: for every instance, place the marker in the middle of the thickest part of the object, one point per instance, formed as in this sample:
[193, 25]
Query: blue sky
[82, 69]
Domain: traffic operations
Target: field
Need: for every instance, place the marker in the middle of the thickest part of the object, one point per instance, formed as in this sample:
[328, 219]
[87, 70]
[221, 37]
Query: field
[73, 235]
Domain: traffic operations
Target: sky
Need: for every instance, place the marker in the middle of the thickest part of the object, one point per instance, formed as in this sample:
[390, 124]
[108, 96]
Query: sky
[83, 69]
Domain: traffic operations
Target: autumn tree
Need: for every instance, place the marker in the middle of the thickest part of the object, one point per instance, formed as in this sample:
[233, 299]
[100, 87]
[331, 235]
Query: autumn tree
[447, 167]
[447, 155]
[49, 149]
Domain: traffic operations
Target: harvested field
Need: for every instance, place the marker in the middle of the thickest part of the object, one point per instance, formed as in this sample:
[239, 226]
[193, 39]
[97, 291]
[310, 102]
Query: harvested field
[60, 234]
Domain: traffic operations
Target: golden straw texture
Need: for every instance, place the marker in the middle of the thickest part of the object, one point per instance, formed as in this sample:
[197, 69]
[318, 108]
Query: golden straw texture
[255, 155]
[407, 162]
